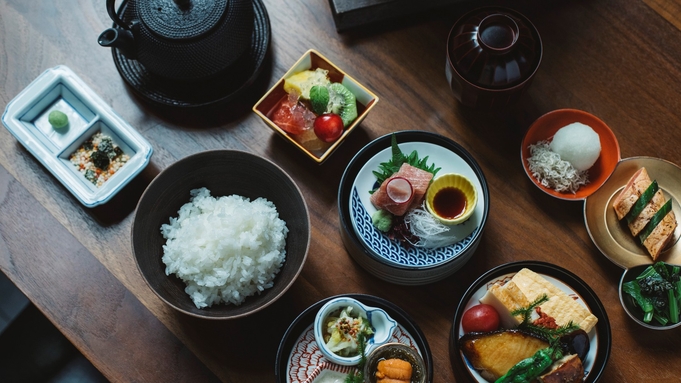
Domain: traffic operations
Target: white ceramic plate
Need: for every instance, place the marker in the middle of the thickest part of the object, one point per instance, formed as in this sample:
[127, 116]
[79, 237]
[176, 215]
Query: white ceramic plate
[361, 209]
[59, 88]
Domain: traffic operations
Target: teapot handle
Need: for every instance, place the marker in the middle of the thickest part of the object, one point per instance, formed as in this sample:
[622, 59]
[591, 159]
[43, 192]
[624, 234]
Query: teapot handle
[111, 10]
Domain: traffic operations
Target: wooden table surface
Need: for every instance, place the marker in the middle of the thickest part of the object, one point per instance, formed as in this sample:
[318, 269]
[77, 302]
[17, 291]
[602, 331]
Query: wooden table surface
[617, 59]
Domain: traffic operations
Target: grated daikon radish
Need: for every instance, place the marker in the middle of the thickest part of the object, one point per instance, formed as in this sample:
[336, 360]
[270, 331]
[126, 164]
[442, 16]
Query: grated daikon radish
[431, 232]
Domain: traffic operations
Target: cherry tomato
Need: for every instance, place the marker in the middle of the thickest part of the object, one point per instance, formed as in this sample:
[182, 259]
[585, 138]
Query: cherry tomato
[328, 127]
[480, 318]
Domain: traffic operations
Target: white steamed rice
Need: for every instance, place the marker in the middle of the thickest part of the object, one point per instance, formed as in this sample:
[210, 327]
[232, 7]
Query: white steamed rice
[225, 249]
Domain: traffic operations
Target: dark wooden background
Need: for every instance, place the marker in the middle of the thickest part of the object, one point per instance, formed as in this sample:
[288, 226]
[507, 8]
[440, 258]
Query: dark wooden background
[617, 59]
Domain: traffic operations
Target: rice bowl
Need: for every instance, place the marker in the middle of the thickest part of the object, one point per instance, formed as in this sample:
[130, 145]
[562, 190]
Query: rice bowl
[225, 249]
[224, 173]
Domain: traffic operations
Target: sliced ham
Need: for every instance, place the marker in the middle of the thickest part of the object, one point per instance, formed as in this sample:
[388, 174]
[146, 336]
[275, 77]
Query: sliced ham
[419, 179]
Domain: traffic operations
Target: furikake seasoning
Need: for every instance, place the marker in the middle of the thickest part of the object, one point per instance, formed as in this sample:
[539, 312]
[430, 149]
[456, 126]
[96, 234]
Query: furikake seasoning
[98, 158]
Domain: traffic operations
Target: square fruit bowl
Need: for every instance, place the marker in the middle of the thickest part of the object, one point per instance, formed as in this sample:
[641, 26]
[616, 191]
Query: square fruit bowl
[309, 107]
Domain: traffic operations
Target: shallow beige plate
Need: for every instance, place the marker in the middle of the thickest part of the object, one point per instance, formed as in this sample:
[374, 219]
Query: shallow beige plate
[614, 238]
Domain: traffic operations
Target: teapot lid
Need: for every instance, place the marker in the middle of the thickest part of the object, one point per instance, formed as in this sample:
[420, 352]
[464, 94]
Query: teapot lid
[181, 19]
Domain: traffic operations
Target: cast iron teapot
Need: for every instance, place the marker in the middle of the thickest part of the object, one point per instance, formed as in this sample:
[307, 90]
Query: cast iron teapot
[181, 39]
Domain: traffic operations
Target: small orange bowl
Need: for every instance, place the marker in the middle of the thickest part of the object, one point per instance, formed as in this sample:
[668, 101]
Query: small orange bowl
[546, 126]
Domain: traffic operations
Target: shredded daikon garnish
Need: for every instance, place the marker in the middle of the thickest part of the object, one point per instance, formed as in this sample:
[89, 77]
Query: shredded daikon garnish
[553, 172]
[431, 232]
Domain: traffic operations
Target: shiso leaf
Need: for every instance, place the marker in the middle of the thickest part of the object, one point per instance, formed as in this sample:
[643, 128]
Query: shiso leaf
[387, 169]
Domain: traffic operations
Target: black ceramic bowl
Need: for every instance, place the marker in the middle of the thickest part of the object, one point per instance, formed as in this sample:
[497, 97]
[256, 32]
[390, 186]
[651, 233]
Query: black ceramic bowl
[630, 306]
[295, 336]
[600, 336]
[223, 172]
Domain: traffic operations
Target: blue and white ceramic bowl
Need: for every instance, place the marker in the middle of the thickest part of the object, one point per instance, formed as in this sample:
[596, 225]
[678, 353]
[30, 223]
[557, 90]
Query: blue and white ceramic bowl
[389, 259]
[382, 325]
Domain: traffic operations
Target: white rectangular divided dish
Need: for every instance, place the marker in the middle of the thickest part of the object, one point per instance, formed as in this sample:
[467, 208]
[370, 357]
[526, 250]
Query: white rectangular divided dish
[59, 88]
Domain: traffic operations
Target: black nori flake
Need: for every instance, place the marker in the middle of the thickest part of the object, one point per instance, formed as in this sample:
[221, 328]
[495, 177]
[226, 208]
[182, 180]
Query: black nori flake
[100, 159]
[106, 146]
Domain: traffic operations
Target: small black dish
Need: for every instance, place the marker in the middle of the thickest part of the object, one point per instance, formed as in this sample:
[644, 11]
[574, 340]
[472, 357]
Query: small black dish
[306, 319]
[629, 305]
[223, 87]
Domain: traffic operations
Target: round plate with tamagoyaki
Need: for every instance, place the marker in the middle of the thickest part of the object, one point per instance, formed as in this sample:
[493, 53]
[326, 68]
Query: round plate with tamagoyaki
[569, 299]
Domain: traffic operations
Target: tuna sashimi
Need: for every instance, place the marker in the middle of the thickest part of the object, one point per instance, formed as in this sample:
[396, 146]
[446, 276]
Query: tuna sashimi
[419, 179]
[624, 202]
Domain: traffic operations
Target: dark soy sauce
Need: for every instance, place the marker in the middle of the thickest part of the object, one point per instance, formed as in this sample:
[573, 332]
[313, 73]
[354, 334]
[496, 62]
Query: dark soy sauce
[449, 203]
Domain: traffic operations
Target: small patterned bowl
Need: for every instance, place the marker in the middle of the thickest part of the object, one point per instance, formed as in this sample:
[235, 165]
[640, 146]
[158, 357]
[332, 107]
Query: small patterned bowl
[381, 323]
[463, 200]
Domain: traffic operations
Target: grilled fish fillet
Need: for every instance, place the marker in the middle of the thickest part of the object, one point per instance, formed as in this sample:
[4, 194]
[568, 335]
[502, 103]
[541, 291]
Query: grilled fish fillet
[494, 353]
[623, 203]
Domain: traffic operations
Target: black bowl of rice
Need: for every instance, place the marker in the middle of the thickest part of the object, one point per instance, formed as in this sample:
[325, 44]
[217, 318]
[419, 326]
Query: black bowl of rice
[221, 234]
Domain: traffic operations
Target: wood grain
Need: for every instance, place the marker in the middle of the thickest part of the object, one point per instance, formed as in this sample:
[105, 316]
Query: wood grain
[616, 59]
[95, 311]
[669, 9]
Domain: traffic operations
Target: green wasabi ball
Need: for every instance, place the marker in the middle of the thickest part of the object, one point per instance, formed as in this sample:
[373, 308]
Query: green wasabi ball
[58, 119]
[383, 220]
